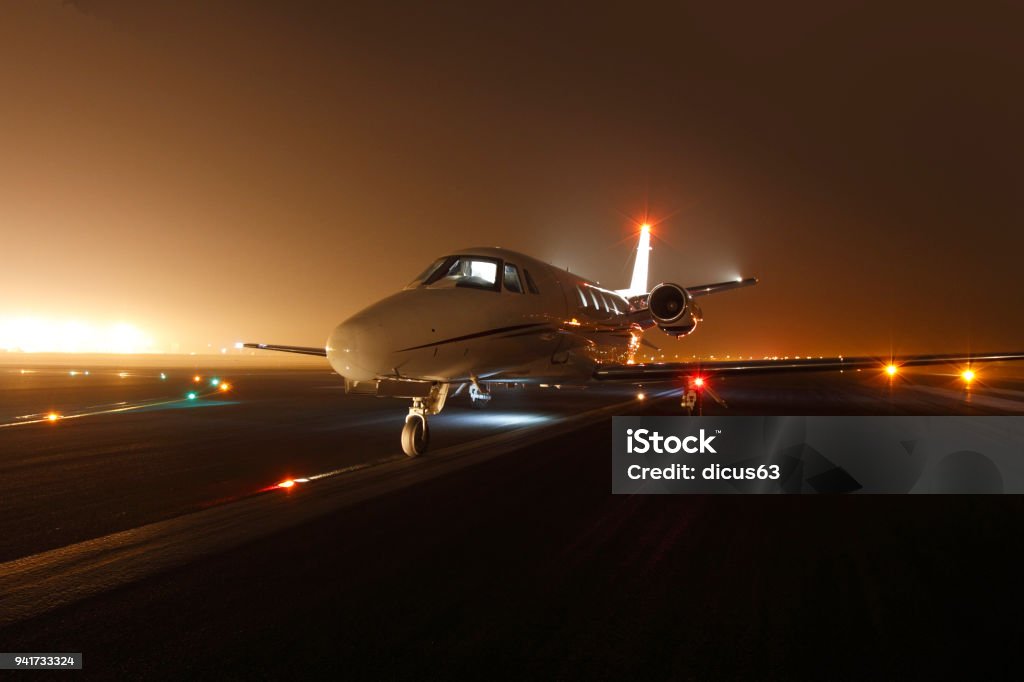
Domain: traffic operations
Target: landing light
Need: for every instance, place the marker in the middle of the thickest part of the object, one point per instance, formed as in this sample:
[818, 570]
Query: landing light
[891, 369]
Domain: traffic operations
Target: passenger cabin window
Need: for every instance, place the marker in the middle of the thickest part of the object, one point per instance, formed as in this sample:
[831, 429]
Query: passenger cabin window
[471, 272]
[530, 284]
[583, 298]
[511, 279]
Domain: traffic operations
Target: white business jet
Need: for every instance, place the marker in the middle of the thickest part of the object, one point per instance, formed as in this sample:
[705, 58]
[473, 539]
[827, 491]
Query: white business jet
[486, 315]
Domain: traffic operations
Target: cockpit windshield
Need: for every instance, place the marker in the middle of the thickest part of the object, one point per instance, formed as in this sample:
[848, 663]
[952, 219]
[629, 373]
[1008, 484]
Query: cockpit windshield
[474, 272]
[426, 273]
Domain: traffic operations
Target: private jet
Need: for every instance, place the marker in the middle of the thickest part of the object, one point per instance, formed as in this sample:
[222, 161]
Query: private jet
[482, 316]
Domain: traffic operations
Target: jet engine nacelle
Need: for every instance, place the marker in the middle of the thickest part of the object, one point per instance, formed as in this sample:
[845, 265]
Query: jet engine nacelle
[673, 309]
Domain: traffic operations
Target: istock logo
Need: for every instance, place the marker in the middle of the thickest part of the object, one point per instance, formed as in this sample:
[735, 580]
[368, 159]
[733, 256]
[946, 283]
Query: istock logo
[642, 441]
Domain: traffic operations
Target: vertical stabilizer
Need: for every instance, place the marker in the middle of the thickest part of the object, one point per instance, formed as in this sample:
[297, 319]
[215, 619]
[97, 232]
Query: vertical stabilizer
[638, 285]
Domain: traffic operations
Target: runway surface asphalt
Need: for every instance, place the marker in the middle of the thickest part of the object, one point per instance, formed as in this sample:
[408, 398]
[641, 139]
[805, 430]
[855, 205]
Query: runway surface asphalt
[148, 531]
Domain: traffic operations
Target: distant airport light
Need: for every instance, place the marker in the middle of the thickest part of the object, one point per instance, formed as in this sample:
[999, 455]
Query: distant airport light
[192, 396]
[53, 416]
[968, 375]
[215, 381]
[162, 376]
[286, 484]
[225, 386]
[197, 378]
[641, 396]
[891, 369]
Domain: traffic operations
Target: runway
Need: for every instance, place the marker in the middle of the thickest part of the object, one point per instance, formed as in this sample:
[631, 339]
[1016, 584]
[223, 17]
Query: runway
[130, 534]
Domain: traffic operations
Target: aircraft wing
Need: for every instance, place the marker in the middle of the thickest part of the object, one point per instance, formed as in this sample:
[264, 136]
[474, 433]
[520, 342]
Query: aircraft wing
[303, 350]
[706, 289]
[668, 371]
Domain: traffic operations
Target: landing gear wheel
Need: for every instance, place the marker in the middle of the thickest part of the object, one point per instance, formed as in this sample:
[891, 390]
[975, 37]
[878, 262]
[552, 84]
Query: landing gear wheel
[415, 436]
[478, 397]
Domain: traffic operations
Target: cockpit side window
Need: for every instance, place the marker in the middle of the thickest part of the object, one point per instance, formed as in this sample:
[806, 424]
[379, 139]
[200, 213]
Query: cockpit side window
[511, 279]
[530, 284]
[473, 272]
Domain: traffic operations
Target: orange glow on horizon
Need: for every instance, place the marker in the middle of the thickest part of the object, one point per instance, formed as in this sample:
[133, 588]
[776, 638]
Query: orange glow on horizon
[45, 335]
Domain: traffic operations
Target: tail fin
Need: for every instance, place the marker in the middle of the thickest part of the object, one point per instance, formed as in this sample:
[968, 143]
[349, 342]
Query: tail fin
[638, 285]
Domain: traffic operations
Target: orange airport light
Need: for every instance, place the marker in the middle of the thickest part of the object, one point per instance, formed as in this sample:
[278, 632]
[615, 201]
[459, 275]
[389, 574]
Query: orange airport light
[891, 369]
[968, 375]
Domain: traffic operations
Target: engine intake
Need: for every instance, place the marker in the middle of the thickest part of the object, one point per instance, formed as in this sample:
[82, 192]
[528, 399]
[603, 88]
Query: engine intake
[673, 309]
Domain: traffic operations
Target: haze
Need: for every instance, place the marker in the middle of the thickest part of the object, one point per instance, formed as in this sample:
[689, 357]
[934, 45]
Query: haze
[261, 172]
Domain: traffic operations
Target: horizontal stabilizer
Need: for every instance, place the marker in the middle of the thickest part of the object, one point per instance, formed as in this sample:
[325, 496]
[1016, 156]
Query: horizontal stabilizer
[707, 289]
[303, 350]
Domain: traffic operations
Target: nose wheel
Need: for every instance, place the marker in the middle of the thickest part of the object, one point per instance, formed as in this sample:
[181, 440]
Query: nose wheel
[415, 435]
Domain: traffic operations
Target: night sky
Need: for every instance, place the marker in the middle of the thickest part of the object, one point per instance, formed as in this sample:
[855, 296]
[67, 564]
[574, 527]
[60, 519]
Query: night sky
[260, 171]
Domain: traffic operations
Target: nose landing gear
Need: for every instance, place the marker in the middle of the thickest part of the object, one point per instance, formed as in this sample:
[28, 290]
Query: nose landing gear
[416, 432]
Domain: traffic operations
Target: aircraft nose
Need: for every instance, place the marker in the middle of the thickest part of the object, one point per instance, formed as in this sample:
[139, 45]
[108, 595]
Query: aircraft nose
[350, 353]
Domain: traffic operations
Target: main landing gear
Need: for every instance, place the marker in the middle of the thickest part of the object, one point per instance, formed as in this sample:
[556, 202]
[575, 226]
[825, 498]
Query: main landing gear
[416, 433]
[478, 395]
